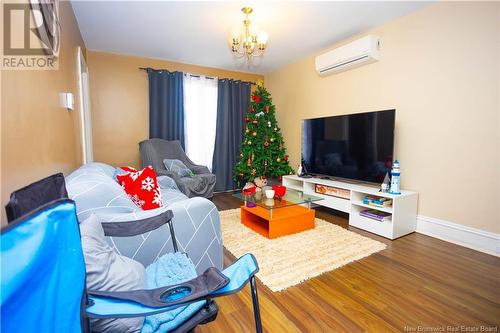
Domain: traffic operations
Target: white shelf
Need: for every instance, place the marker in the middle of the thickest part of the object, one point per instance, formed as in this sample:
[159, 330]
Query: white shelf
[367, 188]
[382, 228]
[293, 187]
[403, 209]
[382, 209]
[331, 202]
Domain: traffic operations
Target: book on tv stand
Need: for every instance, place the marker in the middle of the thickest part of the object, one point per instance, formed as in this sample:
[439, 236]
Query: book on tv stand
[376, 215]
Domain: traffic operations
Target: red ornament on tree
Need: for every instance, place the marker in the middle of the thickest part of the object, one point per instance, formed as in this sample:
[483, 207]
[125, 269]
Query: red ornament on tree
[252, 110]
[247, 119]
[285, 158]
[242, 174]
[267, 109]
[255, 122]
[256, 98]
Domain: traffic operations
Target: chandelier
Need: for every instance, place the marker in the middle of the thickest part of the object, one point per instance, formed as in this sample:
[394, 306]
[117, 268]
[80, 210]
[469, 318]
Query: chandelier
[246, 41]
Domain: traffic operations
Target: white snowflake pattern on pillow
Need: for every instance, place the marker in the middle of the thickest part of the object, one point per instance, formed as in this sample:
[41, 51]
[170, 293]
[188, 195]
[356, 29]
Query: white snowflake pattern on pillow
[135, 198]
[147, 184]
[135, 175]
[157, 198]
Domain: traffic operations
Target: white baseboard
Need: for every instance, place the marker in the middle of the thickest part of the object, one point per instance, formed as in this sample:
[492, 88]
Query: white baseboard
[476, 239]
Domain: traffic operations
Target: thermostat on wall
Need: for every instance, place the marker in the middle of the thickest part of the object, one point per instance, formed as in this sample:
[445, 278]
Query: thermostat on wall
[67, 101]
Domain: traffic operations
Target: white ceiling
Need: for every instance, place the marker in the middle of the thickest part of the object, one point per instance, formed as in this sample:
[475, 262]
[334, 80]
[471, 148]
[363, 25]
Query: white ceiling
[196, 32]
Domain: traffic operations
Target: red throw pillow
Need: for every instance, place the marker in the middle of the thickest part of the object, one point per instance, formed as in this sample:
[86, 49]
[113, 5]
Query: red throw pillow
[141, 186]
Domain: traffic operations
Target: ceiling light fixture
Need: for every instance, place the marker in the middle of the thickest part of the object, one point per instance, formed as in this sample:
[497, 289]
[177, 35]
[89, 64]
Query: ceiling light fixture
[247, 41]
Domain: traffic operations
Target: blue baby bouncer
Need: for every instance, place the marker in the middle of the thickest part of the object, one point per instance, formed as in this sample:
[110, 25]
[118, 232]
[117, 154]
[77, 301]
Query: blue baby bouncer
[43, 272]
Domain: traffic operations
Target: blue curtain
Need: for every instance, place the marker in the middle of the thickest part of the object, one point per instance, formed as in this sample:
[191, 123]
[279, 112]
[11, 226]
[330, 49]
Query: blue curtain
[166, 105]
[233, 100]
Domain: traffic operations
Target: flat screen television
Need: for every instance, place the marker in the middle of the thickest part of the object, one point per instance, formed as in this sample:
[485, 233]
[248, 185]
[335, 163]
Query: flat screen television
[356, 146]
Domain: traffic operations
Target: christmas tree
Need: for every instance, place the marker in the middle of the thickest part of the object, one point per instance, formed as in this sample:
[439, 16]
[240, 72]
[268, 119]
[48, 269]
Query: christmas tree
[263, 152]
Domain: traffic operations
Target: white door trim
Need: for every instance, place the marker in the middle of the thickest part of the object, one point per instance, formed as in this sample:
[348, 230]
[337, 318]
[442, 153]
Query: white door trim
[84, 101]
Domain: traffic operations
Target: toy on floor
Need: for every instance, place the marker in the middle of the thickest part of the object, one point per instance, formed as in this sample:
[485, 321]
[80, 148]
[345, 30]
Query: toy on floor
[251, 187]
[260, 182]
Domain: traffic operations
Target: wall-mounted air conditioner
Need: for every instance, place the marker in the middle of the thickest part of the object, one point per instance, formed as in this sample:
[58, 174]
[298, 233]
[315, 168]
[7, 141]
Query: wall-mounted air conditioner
[357, 53]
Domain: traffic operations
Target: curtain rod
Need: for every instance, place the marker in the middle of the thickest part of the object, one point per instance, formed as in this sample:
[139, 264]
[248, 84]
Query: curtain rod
[193, 75]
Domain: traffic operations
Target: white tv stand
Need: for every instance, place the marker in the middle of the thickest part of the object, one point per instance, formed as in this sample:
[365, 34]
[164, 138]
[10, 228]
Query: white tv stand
[403, 210]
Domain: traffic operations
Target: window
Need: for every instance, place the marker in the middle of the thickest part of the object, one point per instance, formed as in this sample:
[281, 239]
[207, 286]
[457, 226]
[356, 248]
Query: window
[200, 116]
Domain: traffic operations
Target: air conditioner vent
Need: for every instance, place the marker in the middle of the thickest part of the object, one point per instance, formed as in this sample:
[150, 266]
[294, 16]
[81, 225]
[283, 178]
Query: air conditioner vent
[362, 51]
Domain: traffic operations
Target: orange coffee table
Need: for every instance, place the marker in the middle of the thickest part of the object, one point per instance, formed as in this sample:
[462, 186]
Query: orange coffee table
[273, 217]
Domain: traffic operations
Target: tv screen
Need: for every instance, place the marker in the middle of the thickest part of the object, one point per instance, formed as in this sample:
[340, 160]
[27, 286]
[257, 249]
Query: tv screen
[356, 146]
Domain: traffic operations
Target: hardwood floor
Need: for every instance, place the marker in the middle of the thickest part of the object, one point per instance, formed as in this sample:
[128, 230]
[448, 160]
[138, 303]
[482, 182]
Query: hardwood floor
[417, 284]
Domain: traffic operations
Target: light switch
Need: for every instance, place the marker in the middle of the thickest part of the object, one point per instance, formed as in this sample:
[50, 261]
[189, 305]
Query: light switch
[67, 100]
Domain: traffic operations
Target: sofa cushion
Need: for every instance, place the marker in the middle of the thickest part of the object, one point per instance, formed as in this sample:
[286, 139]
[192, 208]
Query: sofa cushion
[109, 271]
[141, 186]
[178, 167]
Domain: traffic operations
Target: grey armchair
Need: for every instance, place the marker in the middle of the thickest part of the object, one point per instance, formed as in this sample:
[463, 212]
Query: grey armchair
[154, 151]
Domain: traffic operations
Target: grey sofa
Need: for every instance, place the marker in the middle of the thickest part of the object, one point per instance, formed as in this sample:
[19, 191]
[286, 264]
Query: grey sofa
[154, 151]
[196, 221]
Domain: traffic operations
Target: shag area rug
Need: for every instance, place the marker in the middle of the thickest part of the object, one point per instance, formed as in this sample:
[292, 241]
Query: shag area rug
[290, 260]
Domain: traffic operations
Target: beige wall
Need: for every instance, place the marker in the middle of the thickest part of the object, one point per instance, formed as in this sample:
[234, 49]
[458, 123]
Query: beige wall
[120, 102]
[38, 136]
[440, 70]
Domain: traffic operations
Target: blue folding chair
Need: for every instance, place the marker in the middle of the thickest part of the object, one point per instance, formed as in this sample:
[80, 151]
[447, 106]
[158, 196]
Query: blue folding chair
[43, 278]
